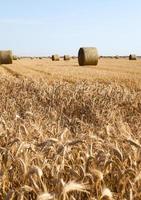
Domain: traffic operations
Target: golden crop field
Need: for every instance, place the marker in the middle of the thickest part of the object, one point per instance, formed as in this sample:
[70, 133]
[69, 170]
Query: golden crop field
[69, 132]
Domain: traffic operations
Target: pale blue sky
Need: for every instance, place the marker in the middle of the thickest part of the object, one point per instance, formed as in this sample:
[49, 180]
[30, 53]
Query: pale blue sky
[44, 27]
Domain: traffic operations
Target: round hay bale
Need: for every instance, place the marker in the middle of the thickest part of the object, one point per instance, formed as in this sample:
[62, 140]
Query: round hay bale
[132, 57]
[6, 57]
[88, 56]
[15, 57]
[66, 57]
[55, 57]
[74, 57]
[116, 57]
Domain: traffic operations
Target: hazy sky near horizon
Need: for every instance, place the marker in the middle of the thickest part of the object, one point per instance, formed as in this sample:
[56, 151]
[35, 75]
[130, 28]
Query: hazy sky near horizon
[44, 27]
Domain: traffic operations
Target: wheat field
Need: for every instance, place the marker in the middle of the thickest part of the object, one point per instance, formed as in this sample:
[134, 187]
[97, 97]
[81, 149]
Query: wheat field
[70, 132]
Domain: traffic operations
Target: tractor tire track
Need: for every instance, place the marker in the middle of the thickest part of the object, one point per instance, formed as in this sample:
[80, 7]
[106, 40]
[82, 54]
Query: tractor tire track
[40, 71]
[26, 67]
[12, 72]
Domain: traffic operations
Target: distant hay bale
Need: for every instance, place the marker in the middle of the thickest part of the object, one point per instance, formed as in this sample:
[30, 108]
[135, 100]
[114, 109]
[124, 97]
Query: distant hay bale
[132, 57]
[15, 57]
[6, 57]
[74, 57]
[88, 56]
[55, 57]
[116, 57]
[66, 57]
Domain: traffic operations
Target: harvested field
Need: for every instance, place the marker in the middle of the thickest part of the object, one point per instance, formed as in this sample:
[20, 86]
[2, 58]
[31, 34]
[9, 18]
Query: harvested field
[70, 132]
[121, 70]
